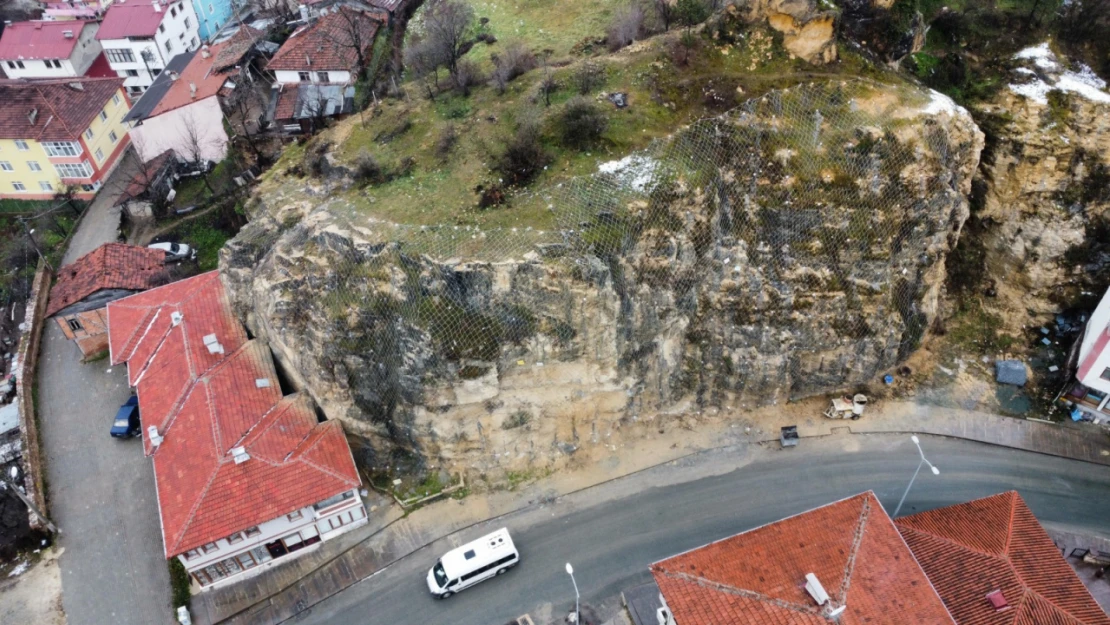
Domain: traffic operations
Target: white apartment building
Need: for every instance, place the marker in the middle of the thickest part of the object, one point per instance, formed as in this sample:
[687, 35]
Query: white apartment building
[140, 37]
[44, 49]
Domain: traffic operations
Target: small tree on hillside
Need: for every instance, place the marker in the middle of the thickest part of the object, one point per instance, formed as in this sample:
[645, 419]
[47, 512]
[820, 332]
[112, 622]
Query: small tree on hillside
[448, 26]
[355, 33]
[194, 145]
[664, 11]
[243, 108]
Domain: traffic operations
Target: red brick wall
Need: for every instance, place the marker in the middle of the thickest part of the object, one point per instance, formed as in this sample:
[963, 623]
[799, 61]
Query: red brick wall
[92, 338]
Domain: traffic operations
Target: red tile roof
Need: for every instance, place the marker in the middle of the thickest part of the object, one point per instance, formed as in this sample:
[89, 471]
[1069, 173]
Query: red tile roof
[143, 179]
[328, 44]
[197, 73]
[995, 543]
[40, 40]
[758, 577]
[135, 18]
[65, 107]
[231, 52]
[204, 405]
[110, 266]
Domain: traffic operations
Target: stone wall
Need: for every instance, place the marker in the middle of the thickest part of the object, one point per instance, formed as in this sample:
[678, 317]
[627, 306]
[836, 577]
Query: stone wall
[28, 356]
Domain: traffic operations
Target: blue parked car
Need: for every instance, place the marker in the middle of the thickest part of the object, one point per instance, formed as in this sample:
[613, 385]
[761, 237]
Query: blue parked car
[126, 423]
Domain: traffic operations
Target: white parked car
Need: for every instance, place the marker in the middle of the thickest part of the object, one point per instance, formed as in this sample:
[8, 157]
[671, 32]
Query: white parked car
[175, 251]
[474, 562]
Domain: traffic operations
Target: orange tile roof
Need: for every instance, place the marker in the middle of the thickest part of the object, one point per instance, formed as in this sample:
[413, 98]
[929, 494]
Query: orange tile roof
[110, 266]
[328, 44]
[995, 543]
[205, 404]
[63, 107]
[199, 73]
[758, 577]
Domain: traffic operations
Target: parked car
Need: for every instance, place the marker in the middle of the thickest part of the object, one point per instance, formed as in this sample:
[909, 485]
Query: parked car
[126, 423]
[474, 562]
[175, 251]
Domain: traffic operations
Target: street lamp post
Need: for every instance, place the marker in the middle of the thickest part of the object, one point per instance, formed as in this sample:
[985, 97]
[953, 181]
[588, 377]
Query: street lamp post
[570, 571]
[923, 462]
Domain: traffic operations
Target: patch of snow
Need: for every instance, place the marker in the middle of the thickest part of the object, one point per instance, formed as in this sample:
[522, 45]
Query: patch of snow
[1025, 70]
[20, 569]
[634, 170]
[1041, 55]
[1036, 91]
[940, 103]
[1084, 82]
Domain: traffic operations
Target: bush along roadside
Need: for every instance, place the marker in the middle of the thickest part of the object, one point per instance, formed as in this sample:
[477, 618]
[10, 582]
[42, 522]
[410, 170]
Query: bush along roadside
[179, 583]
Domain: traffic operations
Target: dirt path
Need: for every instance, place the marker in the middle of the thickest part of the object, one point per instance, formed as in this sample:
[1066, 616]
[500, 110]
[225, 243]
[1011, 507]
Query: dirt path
[35, 595]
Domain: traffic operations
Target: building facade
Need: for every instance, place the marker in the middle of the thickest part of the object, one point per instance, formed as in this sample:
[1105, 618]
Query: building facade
[60, 133]
[212, 15]
[43, 49]
[326, 51]
[140, 38]
[1088, 393]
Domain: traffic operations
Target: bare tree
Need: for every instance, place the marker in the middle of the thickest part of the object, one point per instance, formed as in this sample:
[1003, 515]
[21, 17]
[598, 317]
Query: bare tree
[194, 145]
[354, 31]
[423, 61]
[243, 108]
[665, 11]
[448, 26]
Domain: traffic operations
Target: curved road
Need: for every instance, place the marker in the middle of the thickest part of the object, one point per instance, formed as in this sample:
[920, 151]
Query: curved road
[611, 539]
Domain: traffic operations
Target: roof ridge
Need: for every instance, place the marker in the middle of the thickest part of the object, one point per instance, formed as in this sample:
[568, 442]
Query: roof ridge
[740, 592]
[1065, 613]
[53, 112]
[850, 565]
[144, 366]
[301, 457]
[204, 492]
[1010, 524]
[912, 528]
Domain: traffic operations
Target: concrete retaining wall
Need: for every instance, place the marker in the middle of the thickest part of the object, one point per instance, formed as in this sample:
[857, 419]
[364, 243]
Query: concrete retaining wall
[28, 356]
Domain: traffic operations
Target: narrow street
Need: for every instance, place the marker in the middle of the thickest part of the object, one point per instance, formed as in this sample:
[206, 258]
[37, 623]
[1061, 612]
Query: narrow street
[613, 532]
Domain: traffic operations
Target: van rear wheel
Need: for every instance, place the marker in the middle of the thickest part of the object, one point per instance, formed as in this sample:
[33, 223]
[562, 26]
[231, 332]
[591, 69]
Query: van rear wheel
[502, 570]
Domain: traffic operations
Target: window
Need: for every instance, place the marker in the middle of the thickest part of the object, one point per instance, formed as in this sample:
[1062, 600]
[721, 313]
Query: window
[89, 187]
[304, 76]
[21, 145]
[235, 538]
[331, 501]
[181, 37]
[74, 324]
[135, 90]
[156, 70]
[18, 186]
[173, 12]
[132, 72]
[322, 76]
[161, 28]
[112, 136]
[120, 55]
[73, 170]
[210, 9]
[252, 532]
[45, 186]
[15, 64]
[89, 134]
[103, 116]
[186, 22]
[6, 166]
[115, 100]
[210, 547]
[53, 63]
[1105, 374]
[99, 155]
[294, 516]
[34, 166]
[169, 46]
[62, 148]
[192, 553]
[344, 518]
[195, 42]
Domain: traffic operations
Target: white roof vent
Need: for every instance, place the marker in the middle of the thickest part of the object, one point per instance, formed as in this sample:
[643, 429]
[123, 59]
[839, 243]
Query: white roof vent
[175, 318]
[152, 434]
[240, 454]
[212, 344]
[68, 34]
[262, 382]
[816, 590]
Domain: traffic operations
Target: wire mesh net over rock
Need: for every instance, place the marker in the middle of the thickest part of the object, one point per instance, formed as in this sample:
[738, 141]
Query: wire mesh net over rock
[791, 247]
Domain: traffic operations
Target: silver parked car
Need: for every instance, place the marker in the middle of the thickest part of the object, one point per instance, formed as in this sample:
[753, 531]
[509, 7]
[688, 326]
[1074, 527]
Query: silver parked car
[175, 251]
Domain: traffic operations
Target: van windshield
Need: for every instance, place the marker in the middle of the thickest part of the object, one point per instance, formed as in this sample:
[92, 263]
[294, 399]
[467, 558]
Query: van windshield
[440, 574]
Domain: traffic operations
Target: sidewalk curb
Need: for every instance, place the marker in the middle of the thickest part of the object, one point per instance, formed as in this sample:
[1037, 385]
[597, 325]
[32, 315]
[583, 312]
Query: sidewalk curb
[765, 441]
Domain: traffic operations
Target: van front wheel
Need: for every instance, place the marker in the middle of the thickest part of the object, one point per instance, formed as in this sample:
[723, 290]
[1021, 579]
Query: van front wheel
[502, 570]
[446, 594]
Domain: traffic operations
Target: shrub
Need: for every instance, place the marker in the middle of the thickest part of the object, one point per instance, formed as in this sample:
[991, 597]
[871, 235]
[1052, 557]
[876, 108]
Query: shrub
[490, 195]
[515, 61]
[316, 160]
[179, 583]
[523, 157]
[627, 26]
[582, 123]
[448, 137]
[588, 77]
[547, 87]
[467, 76]
[367, 169]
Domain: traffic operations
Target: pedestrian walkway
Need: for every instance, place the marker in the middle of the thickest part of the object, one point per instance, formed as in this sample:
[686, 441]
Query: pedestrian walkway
[280, 595]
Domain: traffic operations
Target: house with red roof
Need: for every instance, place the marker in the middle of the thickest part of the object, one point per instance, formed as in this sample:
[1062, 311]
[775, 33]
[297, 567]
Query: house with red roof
[44, 49]
[141, 37]
[60, 132]
[984, 562]
[246, 476]
[79, 299]
[182, 110]
[1088, 394]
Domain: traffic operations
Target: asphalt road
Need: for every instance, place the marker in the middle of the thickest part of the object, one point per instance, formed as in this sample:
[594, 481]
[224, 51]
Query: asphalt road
[611, 543]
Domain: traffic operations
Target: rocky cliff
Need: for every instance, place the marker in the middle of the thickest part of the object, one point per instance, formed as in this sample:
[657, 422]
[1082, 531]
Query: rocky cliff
[1043, 196]
[793, 247]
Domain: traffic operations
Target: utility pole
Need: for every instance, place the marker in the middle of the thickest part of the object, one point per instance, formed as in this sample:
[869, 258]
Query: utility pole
[35, 245]
[30, 504]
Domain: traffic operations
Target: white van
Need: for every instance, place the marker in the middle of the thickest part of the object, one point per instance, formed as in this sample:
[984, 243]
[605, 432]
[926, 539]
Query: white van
[474, 562]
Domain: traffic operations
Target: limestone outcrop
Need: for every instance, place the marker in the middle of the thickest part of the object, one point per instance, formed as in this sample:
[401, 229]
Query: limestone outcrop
[809, 32]
[792, 248]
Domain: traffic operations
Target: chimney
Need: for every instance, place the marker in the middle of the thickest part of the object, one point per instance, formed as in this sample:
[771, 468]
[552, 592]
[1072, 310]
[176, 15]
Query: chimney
[34, 115]
[204, 53]
[262, 382]
[174, 75]
[175, 318]
[38, 25]
[68, 34]
[816, 590]
[193, 90]
[240, 454]
[304, 12]
[152, 434]
[76, 86]
[307, 61]
[998, 602]
[212, 344]
[157, 7]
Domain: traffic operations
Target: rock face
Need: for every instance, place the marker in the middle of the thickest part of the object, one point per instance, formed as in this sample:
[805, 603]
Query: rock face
[794, 247]
[1043, 197]
[809, 33]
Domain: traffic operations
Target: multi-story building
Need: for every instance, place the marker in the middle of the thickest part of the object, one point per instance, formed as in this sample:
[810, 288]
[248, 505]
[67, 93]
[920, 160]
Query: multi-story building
[140, 38]
[212, 15]
[60, 133]
[42, 49]
[246, 478]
